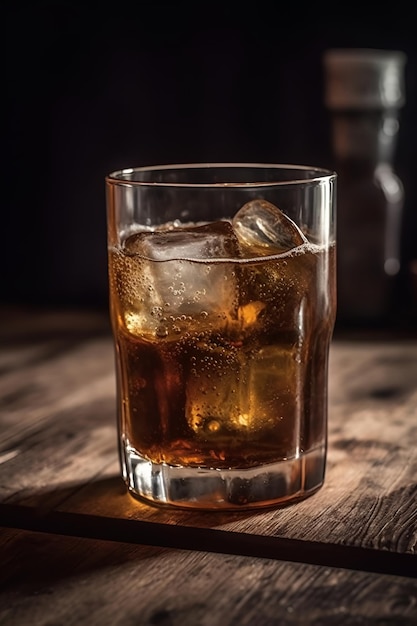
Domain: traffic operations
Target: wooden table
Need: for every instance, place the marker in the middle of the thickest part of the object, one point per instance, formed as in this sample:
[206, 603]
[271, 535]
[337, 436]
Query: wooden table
[75, 548]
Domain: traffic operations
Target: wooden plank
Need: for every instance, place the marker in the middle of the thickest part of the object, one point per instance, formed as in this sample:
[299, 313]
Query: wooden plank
[211, 540]
[48, 579]
[49, 363]
[59, 452]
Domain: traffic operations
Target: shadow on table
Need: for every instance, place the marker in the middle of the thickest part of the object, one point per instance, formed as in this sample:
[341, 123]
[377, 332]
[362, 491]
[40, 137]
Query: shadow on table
[108, 500]
[114, 517]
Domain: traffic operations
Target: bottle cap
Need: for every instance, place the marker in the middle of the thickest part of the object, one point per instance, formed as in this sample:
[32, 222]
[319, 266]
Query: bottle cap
[364, 78]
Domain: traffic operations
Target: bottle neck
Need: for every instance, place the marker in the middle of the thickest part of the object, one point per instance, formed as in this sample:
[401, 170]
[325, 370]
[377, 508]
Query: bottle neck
[361, 140]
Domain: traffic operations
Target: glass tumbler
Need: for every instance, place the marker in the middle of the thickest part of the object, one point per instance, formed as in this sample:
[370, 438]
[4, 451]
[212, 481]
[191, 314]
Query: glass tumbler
[222, 299]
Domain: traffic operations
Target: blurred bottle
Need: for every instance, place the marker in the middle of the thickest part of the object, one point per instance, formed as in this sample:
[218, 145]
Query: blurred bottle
[364, 90]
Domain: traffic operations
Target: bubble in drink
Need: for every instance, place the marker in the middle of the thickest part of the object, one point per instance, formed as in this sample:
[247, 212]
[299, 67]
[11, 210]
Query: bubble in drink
[262, 229]
[166, 293]
[222, 335]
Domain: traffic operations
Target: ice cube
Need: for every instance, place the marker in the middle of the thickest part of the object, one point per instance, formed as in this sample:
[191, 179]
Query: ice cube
[179, 284]
[274, 395]
[208, 241]
[212, 389]
[275, 289]
[262, 229]
[232, 394]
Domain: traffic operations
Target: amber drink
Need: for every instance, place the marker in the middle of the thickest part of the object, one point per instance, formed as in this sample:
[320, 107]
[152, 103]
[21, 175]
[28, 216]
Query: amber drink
[222, 294]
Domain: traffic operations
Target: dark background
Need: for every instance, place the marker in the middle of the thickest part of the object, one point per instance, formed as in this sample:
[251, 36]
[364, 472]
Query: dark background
[91, 90]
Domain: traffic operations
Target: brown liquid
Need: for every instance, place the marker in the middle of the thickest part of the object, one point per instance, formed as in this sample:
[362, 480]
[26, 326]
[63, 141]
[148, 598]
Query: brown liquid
[233, 385]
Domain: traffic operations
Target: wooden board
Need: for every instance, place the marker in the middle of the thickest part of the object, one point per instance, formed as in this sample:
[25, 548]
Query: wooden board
[58, 455]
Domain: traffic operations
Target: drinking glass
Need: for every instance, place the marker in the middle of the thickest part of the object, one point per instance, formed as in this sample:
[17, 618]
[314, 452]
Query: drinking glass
[222, 300]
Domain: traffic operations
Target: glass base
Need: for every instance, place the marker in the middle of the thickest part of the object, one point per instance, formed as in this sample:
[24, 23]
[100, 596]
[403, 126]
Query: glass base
[225, 489]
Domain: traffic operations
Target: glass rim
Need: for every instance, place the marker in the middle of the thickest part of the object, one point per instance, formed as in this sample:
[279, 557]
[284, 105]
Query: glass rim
[319, 174]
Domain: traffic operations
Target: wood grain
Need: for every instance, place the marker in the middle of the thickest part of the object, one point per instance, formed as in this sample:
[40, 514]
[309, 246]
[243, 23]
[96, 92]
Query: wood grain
[58, 450]
[47, 580]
